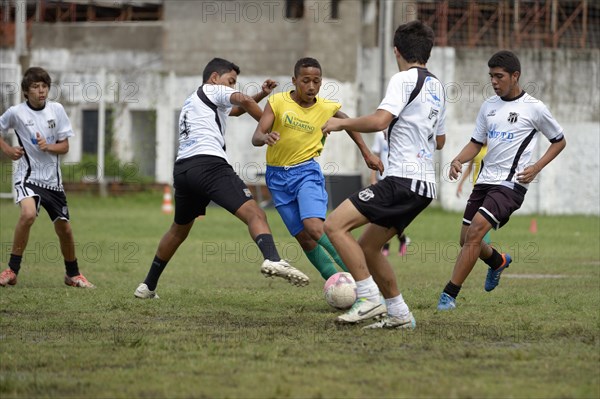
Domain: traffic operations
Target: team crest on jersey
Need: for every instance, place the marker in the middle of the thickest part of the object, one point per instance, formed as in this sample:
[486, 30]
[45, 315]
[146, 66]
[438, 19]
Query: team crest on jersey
[51, 123]
[513, 117]
[433, 113]
[366, 194]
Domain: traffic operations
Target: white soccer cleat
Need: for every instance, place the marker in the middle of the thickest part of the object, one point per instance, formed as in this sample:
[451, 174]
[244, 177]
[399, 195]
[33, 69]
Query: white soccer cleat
[407, 321]
[143, 292]
[363, 309]
[284, 270]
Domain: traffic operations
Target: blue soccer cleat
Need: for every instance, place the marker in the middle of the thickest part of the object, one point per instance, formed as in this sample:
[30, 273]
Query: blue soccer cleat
[493, 276]
[446, 302]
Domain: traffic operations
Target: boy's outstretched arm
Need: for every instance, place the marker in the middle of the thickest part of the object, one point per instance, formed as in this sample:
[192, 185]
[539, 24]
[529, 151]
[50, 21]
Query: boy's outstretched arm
[263, 134]
[378, 120]
[466, 154]
[372, 160]
[266, 89]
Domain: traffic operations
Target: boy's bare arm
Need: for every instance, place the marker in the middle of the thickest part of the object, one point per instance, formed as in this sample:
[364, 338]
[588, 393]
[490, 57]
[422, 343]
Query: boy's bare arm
[372, 160]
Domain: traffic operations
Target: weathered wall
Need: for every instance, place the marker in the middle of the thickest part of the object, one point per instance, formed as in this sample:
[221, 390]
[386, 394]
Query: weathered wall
[154, 66]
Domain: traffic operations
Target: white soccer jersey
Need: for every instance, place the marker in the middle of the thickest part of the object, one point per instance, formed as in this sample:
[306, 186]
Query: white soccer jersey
[511, 129]
[416, 99]
[203, 122]
[36, 166]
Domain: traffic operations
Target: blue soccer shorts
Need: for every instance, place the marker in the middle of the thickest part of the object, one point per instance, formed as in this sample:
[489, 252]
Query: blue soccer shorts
[298, 193]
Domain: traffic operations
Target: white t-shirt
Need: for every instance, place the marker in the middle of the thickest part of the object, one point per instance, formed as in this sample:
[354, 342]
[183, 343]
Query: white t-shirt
[36, 166]
[416, 98]
[202, 123]
[511, 129]
[382, 149]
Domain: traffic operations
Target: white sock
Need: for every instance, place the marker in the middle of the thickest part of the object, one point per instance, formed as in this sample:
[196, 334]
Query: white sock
[397, 307]
[367, 289]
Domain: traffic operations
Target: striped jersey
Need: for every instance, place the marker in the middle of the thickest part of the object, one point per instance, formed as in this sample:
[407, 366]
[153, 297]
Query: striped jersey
[416, 99]
[36, 166]
[203, 122]
[510, 129]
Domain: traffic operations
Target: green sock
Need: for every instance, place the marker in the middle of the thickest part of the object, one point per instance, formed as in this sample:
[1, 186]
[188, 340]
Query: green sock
[487, 238]
[325, 243]
[321, 261]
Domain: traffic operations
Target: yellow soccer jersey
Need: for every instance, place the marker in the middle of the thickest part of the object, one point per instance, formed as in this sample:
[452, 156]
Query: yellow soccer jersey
[301, 138]
[477, 162]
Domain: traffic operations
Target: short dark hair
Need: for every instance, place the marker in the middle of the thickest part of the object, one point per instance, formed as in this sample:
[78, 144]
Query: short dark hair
[507, 60]
[306, 62]
[220, 66]
[414, 41]
[33, 75]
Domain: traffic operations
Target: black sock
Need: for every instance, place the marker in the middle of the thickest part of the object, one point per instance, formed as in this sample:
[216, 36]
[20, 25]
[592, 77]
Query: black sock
[267, 247]
[386, 246]
[72, 268]
[452, 289]
[158, 265]
[495, 260]
[15, 263]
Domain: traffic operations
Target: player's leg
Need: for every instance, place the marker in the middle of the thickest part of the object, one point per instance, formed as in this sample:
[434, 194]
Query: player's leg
[338, 227]
[167, 246]
[273, 266]
[312, 200]
[390, 219]
[316, 254]
[471, 249]
[404, 242]
[398, 313]
[55, 204]
[189, 204]
[230, 192]
[27, 216]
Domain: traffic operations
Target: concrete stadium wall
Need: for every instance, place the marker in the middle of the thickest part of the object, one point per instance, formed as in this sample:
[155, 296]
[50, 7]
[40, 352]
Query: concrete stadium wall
[566, 80]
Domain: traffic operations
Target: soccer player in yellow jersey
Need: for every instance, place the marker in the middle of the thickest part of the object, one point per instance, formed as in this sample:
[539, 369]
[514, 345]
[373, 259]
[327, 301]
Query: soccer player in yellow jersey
[474, 166]
[291, 127]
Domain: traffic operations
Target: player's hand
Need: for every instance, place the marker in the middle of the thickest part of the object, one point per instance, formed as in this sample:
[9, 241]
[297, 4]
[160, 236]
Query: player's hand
[271, 138]
[528, 174]
[374, 162]
[41, 142]
[332, 125]
[455, 169]
[268, 86]
[14, 153]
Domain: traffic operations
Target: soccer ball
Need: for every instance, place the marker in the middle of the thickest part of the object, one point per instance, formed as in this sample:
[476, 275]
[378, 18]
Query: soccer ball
[340, 290]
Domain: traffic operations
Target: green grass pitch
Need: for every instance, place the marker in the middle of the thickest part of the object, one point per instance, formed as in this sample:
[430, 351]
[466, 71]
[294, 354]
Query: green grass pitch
[221, 330]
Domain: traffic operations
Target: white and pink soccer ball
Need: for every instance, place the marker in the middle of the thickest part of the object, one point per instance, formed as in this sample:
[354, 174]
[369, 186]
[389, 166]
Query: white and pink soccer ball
[340, 290]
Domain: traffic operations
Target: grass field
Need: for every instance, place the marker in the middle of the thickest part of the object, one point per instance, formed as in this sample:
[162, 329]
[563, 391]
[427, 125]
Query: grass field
[221, 330]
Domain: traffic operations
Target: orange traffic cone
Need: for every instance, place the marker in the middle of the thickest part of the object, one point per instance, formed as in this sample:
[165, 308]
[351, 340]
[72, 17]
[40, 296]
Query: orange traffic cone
[533, 226]
[167, 205]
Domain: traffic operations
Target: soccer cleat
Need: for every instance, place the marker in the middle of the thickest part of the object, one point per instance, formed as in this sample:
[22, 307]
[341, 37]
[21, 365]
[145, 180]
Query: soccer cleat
[493, 276]
[407, 321]
[284, 270]
[385, 252]
[363, 309]
[8, 277]
[143, 292]
[446, 302]
[78, 281]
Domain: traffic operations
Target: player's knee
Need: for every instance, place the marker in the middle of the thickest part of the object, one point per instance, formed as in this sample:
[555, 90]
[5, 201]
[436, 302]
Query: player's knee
[329, 228]
[27, 217]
